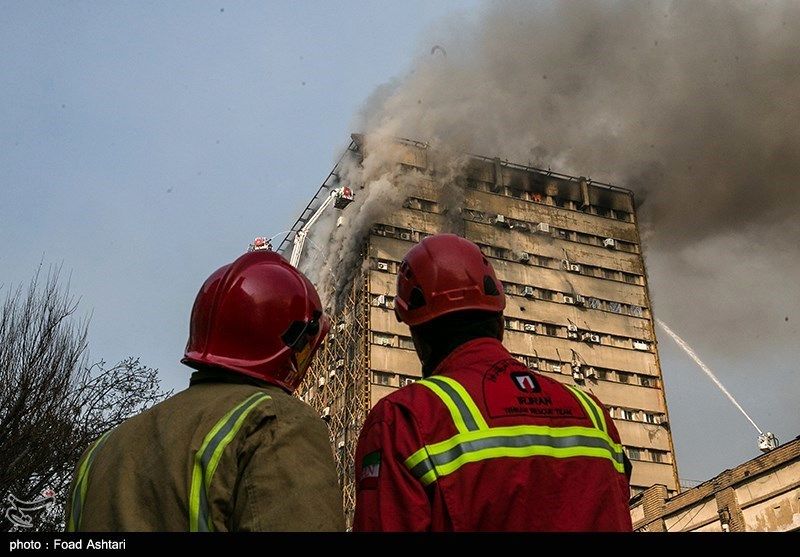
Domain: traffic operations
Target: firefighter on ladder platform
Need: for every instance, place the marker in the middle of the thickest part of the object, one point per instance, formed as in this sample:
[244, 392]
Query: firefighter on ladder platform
[235, 451]
[482, 442]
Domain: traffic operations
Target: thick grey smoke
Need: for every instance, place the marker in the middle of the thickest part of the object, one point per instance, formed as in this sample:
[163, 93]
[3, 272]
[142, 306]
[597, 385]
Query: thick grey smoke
[693, 105]
[380, 188]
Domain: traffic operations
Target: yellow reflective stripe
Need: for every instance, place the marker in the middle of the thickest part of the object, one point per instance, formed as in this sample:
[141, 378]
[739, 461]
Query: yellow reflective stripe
[207, 458]
[417, 457]
[82, 484]
[519, 452]
[595, 414]
[458, 420]
[443, 458]
[516, 430]
[470, 404]
[476, 441]
[600, 413]
[429, 477]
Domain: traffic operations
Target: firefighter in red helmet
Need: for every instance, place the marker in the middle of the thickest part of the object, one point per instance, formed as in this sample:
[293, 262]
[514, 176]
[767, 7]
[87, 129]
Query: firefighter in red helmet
[235, 451]
[481, 442]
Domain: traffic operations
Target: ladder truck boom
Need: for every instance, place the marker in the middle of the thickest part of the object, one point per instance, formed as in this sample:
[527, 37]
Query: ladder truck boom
[339, 198]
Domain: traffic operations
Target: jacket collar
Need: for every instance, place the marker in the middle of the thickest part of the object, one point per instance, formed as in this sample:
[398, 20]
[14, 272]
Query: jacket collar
[480, 350]
[214, 375]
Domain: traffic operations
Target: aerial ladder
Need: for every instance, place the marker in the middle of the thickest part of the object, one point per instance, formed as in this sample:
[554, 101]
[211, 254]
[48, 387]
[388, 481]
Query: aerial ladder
[339, 198]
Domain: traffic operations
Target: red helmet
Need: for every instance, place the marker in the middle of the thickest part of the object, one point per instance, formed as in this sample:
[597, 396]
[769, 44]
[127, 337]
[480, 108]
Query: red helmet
[443, 274]
[258, 316]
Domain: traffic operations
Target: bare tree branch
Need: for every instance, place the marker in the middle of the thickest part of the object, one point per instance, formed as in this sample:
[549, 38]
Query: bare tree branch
[52, 403]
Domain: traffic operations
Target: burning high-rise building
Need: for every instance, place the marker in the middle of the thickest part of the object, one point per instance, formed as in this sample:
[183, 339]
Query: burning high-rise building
[566, 249]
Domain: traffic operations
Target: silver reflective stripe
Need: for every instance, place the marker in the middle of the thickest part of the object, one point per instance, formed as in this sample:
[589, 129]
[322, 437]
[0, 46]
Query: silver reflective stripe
[509, 442]
[466, 415]
[422, 468]
[575, 441]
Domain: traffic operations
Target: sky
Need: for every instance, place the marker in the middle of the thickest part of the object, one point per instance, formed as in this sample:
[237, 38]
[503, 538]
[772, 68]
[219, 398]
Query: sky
[145, 144]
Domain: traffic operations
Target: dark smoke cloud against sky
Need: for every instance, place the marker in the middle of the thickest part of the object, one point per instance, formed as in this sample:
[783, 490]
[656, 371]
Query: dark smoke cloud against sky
[693, 105]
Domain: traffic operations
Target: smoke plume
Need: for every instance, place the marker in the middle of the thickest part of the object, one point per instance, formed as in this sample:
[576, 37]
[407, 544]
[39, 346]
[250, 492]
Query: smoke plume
[693, 105]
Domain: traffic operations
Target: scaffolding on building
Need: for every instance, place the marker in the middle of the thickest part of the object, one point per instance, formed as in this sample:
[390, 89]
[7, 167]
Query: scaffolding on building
[337, 385]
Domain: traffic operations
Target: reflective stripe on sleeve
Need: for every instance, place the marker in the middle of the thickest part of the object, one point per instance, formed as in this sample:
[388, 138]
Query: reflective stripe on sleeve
[82, 483]
[208, 456]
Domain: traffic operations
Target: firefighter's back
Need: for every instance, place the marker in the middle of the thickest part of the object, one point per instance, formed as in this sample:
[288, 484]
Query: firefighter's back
[506, 448]
[177, 466]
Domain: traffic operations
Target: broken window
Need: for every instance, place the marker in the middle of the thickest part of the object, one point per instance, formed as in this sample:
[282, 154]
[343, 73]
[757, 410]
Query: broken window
[609, 274]
[631, 279]
[383, 339]
[406, 342]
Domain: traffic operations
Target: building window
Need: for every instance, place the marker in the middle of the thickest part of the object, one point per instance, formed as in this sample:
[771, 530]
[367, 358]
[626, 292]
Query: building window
[412, 203]
[631, 279]
[380, 378]
[624, 377]
[636, 311]
[626, 414]
[407, 343]
[616, 307]
[602, 374]
[657, 456]
[383, 339]
[609, 274]
[650, 418]
[634, 453]
[620, 342]
[550, 330]
[546, 295]
[647, 381]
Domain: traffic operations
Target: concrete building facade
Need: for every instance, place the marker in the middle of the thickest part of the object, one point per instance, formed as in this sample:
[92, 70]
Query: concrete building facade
[761, 495]
[578, 309]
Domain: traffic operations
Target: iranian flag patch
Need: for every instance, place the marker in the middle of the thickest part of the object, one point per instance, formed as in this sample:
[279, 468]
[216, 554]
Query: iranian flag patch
[370, 470]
